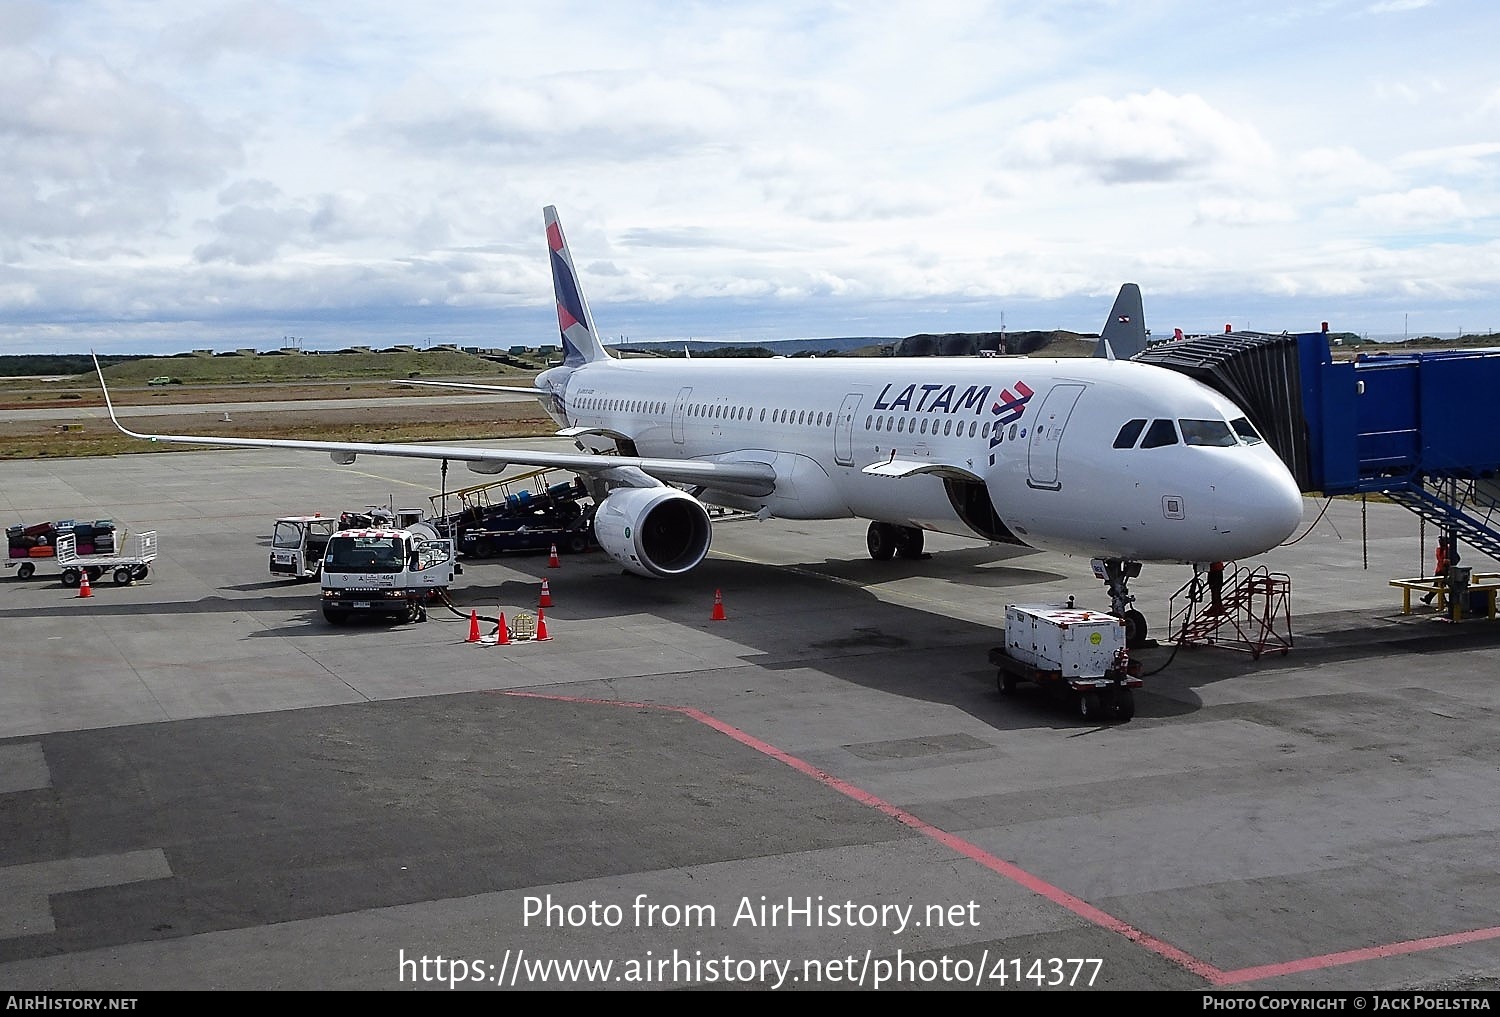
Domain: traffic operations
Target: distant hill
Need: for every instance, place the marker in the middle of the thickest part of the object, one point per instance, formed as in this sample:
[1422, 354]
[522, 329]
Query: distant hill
[57, 364]
[948, 344]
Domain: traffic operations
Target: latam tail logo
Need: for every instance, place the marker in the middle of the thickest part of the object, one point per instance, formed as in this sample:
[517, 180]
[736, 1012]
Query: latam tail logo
[569, 302]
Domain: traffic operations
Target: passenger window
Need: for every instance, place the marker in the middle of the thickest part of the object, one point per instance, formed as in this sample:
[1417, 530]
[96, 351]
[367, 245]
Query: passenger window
[901, 424]
[1215, 433]
[984, 432]
[1160, 433]
[1245, 430]
[869, 421]
[1129, 433]
[948, 426]
[972, 425]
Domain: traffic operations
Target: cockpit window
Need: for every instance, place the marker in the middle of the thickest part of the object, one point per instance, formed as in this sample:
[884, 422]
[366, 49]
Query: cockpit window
[1129, 433]
[1207, 432]
[1161, 432]
[1246, 431]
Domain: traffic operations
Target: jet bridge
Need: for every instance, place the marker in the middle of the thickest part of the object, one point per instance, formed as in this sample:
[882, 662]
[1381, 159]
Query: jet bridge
[1416, 427]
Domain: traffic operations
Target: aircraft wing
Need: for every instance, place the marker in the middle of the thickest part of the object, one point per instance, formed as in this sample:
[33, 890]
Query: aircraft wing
[750, 477]
[481, 388]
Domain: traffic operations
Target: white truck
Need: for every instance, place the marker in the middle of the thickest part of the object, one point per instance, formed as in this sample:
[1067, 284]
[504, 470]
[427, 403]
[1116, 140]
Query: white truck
[298, 544]
[385, 572]
[1077, 655]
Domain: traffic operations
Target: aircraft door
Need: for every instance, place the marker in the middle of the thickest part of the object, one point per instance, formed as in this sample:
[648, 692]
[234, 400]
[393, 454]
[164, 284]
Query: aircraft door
[843, 438]
[679, 412]
[1046, 436]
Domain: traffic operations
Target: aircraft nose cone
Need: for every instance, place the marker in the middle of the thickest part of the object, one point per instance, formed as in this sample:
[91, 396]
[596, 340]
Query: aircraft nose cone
[1258, 508]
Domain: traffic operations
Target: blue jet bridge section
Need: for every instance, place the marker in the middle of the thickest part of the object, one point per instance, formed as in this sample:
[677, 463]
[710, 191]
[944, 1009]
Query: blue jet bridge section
[1420, 428]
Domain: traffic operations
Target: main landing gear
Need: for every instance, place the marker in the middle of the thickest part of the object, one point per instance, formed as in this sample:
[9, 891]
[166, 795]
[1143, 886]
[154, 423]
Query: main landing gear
[887, 541]
[1116, 574]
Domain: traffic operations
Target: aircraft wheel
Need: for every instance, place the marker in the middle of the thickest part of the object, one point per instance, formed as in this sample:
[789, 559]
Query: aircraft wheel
[881, 541]
[26, 570]
[71, 577]
[1090, 707]
[909, 542]
[124, 576]
[1135, 629]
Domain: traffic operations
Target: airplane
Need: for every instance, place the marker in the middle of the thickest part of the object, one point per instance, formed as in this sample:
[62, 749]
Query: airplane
[1124, 333]
[1122, 461]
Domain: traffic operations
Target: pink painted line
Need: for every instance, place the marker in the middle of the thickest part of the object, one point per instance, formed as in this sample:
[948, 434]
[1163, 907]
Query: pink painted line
[1330, 960]
[1082, 908]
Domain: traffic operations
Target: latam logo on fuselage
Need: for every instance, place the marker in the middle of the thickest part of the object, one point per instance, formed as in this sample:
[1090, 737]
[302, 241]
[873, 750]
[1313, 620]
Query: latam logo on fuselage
[947, 399]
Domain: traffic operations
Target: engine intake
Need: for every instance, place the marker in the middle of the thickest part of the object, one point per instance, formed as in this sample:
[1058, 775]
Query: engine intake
[653, 531]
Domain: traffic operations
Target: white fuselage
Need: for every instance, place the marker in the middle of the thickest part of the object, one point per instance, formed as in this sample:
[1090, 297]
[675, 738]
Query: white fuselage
[1039, 435]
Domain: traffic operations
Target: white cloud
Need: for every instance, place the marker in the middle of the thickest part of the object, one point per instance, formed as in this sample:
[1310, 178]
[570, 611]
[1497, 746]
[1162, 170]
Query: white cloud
[1150, 137]
[1422, 206]
[255, 27]
[1239, 212]
[382, 165]
[86, 151]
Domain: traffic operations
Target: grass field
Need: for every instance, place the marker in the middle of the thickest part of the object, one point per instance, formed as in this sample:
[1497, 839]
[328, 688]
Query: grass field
[61, 430]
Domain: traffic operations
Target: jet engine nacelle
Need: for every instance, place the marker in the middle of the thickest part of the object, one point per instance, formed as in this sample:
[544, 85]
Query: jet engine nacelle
[653, 531]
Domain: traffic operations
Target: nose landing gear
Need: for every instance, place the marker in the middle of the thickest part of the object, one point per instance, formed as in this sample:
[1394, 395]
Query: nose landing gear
[1116, 574]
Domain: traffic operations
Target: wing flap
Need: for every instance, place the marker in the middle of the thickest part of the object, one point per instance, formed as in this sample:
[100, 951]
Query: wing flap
[909, 468]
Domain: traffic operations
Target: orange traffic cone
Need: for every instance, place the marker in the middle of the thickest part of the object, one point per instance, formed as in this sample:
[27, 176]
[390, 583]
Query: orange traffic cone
[502, 637]
[546, 600]
[84, 589]
[552, 560]
[718, 614]
[541, 626]
[473, 626]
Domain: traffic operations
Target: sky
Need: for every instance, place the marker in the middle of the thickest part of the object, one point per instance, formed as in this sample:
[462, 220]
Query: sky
[264, 173]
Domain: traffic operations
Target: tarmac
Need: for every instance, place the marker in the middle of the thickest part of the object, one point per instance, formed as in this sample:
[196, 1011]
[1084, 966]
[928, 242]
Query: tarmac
[204, 786]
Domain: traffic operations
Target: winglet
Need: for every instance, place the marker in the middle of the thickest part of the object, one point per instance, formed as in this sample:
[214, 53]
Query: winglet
[1125, 331]
[574, 323]
[110, 406]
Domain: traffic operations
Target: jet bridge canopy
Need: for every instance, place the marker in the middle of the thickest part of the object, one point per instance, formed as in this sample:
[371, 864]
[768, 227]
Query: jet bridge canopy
[1261, 374]
[1416, 426]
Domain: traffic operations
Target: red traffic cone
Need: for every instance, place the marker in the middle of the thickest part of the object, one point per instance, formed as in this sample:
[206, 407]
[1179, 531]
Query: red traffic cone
[552, 560]
[546, 600]
[718, 614]
[84, 589]
[541, 626]
[502, 637]
[473, 626]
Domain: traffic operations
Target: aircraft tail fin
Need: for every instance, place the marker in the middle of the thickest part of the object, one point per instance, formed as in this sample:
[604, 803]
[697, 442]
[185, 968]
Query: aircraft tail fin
[1125, 331]
[580, 342]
